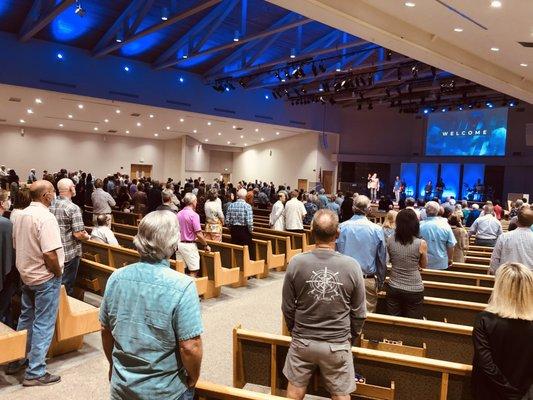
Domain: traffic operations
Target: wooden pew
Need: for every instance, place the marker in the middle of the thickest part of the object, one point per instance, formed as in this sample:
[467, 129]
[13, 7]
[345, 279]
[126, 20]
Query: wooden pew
[469, 267]
[462, 278]
[298, 240]
[258, 358]
[477, 260]
[441, 340]
[12, 344]
[481, 248]
[211, 391]
[122, 228]
[74, 320]
[443, 310]
[238, 256]
[456, 291]
[126, 218]
[117, 257]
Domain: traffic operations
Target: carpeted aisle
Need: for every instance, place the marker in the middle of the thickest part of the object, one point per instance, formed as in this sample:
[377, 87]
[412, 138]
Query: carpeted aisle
[84, 374]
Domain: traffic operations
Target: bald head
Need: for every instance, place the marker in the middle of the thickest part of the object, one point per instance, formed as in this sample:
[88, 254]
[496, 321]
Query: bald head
[64, 185]
[525, 217]
[42, 192]
[241, 194]
[325, 226]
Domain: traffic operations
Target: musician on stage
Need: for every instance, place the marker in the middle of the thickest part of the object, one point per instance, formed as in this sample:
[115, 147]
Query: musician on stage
[439, 189]
[397, 189]
[428, 189]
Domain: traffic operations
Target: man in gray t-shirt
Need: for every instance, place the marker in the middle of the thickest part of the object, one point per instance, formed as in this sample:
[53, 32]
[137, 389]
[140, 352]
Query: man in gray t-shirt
[324, 309]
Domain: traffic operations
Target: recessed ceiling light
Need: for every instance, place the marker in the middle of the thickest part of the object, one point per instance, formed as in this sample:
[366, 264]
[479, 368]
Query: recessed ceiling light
[277, 133]
[262, 139]
[194, 131]
[257, 129]
[156, 134]
[245, 145]
[523, 65]
[234, 126]
[228, 142]
[168, 128]
[127, 131]
[22, 121]
[80, 106]
[138, 124]
[117, 111]
[495, 4]
[71, 116]
[209, 123]
[151, 115]
[61, 125]
[242, 136]
[458, 29]
[206, 140]
[38, 100]
[95, 128]
[29, 111]
[106, 120]
[495, 49]
[409, 4]
[181, 120]
[219, 133]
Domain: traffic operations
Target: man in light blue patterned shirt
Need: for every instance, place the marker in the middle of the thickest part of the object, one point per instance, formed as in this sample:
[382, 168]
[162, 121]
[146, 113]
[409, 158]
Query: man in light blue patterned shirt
[439, 236]
[364, 241]
[151, 321]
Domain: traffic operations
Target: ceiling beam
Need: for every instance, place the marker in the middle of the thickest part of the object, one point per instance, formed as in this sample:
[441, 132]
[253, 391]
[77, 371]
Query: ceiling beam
[35, 20]
[156, 27]
[247, 47]
[120, 23]
[233, 44]
[228, 8]
[140, 16]
[198, 28]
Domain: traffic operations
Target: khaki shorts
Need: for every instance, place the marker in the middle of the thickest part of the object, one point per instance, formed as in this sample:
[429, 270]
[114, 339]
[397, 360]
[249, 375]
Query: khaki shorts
[334, 361]
[188, 253]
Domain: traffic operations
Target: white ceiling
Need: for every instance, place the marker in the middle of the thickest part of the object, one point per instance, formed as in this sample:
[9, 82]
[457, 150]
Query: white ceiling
[168, 124]
[426, 32]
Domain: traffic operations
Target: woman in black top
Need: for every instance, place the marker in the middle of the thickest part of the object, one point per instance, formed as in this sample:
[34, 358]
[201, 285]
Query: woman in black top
[503, 338]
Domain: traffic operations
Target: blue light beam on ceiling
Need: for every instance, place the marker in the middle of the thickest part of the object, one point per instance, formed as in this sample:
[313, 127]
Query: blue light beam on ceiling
[68, 26]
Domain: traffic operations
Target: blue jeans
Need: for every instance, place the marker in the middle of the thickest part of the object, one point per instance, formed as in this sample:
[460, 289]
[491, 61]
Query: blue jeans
[38, 316]
[188, 395]
[70, 271]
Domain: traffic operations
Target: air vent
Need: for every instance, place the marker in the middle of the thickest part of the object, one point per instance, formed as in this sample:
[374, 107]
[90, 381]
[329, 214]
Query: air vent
[3, 120]
[526, 44]
[179, 103]
[112, 131]
[263, 117]
[55, 83]
[239, 128]
[135, 115]
[224, 110]
[124, 94]
[14, 99]
[297, 122]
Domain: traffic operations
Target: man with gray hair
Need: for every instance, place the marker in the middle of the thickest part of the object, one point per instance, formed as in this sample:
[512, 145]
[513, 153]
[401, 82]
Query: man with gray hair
[240, 220]
[486, 228]
[151, 321]
[70, 220]
[324, 308]
[439, 236]
[364, 241]
[167, 205]
[191, 233]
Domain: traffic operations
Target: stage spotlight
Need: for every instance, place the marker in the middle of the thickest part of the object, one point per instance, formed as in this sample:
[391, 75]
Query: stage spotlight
[388, 55]
[426, 111]
[314, 69]
[443, 110]
[489, 104]
[236, 36]
[512, 103]
[414, 71]
[460, 108]
[59, 56]
[243, 82]
[120, 36]
[337, 86]
[79, 10]
[164, 13]
[276, 74]
[321, 98]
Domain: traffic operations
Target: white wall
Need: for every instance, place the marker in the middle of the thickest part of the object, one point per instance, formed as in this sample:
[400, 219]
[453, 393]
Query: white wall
[286, 160]
[45, 149]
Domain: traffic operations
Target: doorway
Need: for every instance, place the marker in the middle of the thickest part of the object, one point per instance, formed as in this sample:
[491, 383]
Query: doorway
[327, 181]
[140, 171]
[225, 178]
[302, 184]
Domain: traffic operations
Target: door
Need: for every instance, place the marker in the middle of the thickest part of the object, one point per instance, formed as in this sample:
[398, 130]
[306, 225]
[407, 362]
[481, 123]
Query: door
[140, 171]
[327, 181]
[302, 184]
[225, 178]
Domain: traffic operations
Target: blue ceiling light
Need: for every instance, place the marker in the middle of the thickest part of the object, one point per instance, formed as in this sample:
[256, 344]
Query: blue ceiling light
[426, 111]
[60, 56]
[164, 13]
[460, 108]
[489, 104]
[236, 36]
[79, 10]
[127, 68]
[181, 79]
[512, 103]
[443, 110]
[267, 97]
[293, 53]
[120, 36]
[68, 25]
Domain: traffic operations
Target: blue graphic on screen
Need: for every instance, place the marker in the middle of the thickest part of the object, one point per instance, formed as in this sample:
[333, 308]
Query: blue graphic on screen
[408, 175]
[480, 132]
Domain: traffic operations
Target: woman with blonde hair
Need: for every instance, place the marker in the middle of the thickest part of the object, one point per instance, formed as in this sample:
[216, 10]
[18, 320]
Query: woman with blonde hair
[461, 236]
[389, 226]
[503, 349]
